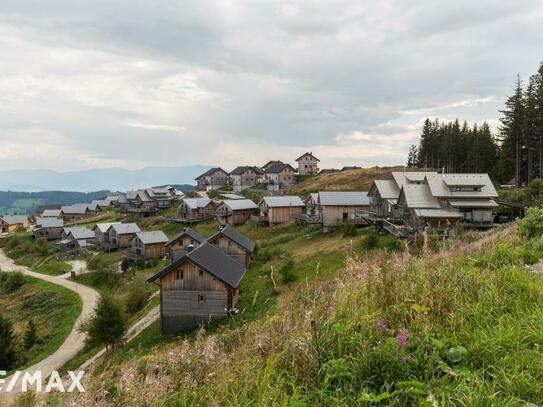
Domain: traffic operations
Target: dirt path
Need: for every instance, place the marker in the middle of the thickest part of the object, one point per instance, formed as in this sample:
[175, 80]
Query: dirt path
[75, 340]
[79, 266]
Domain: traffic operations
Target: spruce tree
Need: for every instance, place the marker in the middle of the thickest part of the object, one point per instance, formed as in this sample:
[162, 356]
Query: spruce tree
[31, 335]
[8, 345]
[108, 325]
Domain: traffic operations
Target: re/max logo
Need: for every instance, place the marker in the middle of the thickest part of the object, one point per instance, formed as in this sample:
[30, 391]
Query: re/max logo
[25, 381]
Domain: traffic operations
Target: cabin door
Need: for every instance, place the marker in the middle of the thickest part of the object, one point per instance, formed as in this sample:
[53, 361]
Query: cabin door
[345, 217]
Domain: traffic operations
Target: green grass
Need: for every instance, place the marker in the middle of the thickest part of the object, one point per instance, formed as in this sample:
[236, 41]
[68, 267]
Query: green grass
[54, 310]
[54, 267]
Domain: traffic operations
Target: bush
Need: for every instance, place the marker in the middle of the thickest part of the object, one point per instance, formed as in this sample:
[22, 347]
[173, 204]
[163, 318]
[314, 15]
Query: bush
[349, 230]
[371, 241]
[532, 225]
[287, 276]
[136, 297]
[107, 326]
[266, 254]
[11, 282]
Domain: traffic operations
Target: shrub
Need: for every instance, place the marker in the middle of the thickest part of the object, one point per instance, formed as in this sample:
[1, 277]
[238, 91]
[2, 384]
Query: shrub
[136, 297]
[287, 276]
[266, 254]
[349, 230]
[107, 326]
[371, 241]
[532, 225]
[11, 282]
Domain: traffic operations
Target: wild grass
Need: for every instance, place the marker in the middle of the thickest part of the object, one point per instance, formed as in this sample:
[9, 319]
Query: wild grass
[457, 327]
[53, 309]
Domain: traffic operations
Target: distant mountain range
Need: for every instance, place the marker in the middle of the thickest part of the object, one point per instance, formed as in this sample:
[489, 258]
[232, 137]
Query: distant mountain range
[114, 179]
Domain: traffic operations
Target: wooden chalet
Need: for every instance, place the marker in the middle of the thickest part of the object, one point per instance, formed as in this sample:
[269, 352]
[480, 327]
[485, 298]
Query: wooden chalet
[244, 177]
[279, 176]
[337, 208]
[49, 228]
[51, 213]
[195, 209]
[162, 196]
[279, 209]
[235, 211]
[137, 202]
[102, 235]
[148, 245]
[183, 242]
[10, 223]
[120, 235]
[40, 208]
[213, 178]
[101, 204]
[199, 287]
[308, 164]
[75, 212]
[234, 244]
[75, 237]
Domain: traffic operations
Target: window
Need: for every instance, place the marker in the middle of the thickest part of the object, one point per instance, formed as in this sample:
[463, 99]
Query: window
[201, 298]
[179, 274]
[201, 272]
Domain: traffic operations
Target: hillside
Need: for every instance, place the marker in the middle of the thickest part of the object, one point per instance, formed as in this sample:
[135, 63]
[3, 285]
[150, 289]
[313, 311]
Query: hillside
[350, 180]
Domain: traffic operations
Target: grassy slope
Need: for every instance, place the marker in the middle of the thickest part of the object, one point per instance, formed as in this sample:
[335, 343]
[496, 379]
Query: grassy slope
[351, 180]
[472, 317]
[54, 309]
[36, 254]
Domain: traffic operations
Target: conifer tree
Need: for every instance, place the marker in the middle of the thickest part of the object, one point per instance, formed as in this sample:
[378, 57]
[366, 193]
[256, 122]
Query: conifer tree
[8, 345]
[31, 335]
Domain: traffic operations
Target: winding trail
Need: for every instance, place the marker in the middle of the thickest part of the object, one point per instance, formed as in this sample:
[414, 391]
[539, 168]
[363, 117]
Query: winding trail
[74, 342]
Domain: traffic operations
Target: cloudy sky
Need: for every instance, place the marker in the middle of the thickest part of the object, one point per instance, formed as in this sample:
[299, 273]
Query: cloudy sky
[119, 83]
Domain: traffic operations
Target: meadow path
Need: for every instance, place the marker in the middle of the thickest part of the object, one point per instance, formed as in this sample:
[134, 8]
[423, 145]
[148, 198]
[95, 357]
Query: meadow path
[74, 342]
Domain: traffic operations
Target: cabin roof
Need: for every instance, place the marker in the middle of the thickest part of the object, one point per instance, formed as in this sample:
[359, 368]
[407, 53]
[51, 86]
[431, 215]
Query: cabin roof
[187, 232]
[210, 172]
[239, 204]
[14, 219]
[49, 222]
[440, 185]
[419, 196]
[310, 154]
[212, 260]
[344, 198]
[75, 209]
[283, 201]
[232, 234]
[195, 203]
[152, 237]
[50, 213]
[126, 228]
[442, 213]
[79, 232]
[241, 169]
[277, 167]
[231, 196]
[103, 227]
[473, 203]
[387, 189]
[409, 177]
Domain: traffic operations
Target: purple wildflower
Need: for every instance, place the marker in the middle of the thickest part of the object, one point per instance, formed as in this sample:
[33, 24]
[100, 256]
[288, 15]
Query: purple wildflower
[382, 325]
[407, 359]
[402, 338]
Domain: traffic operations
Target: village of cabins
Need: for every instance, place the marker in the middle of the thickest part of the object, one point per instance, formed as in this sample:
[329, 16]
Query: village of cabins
[203, 277]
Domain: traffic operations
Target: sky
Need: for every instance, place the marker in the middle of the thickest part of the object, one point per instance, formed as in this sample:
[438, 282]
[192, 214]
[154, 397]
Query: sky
[131, 84]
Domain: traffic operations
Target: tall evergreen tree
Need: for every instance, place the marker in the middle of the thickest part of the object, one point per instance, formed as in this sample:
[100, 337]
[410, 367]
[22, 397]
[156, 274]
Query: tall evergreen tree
[31, 335]
[8, 345]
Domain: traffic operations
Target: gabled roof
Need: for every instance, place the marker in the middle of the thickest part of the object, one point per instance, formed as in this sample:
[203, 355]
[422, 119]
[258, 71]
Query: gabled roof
[79, 233]
[101, 203]
[277, 167]
[15, 219]
[196, 203]
[310, 154]
[282, 201]
[265, 166]
[344, 198]
[126, 228]
[418, 196]
[213, 261]
[210, 172]
[41, 208]
[239, 204]
[158, 192]
[152, 237]
[50, 213]
[233, 235]
[103, 227]
[440, 185]
[140, 193]
[49, 222]
[241, 169]
[231, 196]
[92, 207]
[409, 177]
[387, 189]
[75, 209]
[187, 232]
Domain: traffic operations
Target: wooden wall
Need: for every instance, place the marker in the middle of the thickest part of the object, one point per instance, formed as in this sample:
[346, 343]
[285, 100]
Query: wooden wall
[333, 215]
[285, 214]
[232, 249]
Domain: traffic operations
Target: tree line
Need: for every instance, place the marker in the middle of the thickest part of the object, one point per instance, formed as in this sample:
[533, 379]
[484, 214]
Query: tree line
[515, 152]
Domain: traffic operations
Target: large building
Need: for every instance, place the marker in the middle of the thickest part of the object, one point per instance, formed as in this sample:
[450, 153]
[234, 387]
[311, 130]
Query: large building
[308, 164]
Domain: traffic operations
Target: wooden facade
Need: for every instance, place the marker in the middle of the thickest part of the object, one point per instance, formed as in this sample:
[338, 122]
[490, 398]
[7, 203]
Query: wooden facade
[54, 232]
[276, 215]
[338, 215]
[9, 224]
[148, 251]
[232, 249]
[214, 178]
